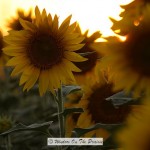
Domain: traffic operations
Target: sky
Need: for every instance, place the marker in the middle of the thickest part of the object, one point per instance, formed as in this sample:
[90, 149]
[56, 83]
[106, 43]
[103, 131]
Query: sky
[91, 14]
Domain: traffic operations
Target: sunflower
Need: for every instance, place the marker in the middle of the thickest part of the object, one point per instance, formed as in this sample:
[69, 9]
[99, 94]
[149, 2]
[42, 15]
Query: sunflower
[90, 68]
[5, 123]
[131, 58]
[136, 134]
[44, 52]
[131, 16]
[15, 24]
[99, 110]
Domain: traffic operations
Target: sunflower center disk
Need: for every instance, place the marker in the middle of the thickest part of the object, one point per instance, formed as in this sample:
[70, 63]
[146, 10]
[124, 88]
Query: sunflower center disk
[139, 53]
[44, 52]
[103, 111]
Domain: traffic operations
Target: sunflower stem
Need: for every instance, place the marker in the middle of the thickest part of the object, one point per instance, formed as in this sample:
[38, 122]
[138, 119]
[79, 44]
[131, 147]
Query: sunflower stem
[8, 142]
[61, 110]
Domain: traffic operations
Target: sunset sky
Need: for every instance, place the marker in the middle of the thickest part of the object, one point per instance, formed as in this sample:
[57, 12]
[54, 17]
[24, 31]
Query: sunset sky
[91, 14]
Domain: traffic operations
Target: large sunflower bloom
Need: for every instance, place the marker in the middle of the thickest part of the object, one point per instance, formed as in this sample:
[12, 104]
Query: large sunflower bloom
[131, 58]
[98, 110]
[136, 134]
[44, 51]
[131, 16]
[15, 24]
[90, 68]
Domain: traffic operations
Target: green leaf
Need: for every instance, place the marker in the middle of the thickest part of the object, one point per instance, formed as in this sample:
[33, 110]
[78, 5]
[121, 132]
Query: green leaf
[43, 127]
[68, 111]
[78, 132]
[120, 98]
[69, 89]
[86, 53]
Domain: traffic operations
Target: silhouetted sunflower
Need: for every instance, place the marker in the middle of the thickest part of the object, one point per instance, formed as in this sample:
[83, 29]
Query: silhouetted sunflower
[130, 60]
[136, 134]
[15, 24]
[45, 51]
[91, 68]
[131, 16]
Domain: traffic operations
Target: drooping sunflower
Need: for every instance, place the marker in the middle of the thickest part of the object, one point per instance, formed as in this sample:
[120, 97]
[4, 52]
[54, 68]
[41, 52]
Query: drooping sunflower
[15, 24]
[98, 110]
[131, 16]
[90, 68]
[130, 60]
[136, 134]
[44, 52]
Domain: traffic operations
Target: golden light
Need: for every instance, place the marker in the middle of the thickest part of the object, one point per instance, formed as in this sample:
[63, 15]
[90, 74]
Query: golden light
[91, 14]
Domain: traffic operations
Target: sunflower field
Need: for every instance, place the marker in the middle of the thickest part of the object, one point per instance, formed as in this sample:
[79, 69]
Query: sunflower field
[58, 82]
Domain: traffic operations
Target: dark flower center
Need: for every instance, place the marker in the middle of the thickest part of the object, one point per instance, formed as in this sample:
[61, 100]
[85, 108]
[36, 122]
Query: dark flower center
[103, 111]
[138, 51]
[44, 51]
[88, 65]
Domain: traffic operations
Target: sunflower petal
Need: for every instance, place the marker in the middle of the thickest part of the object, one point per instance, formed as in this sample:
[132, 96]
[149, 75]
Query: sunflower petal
[72, 56]
[18, 69]
[17, 60]
[27, 25]
[38, 16]
[26, 74]
[32, 80]
[43, 81]
[55, 24]
[74, 47]
[65, 24]
[70, 65]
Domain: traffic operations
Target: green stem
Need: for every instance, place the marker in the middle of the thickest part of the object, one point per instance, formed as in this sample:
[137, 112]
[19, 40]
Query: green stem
[61, 110]
[8, 142]
[61, 120]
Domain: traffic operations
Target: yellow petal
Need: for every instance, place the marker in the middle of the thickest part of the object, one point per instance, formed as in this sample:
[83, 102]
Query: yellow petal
[70, 65]
[72, 56]
[26, 74]
[38, 16]
[49, 19]
[43, 81]
[55, 24]
[17, 60]
[74, 47]
[57, 76]
[18, 69]
[13, 51]
[70, 36]
[72, 27]
[32, 80]
[27, 25]
[65, 24]
[74, 41]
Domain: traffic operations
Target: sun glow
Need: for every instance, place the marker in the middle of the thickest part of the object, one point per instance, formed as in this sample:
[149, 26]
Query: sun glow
[90, 14]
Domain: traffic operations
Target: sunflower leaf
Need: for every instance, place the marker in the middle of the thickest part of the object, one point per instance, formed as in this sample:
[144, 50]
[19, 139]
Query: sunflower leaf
[68, 111]
[78, 132]
[33, 127]
[120, 98]
[86, 53]
[69, 89]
